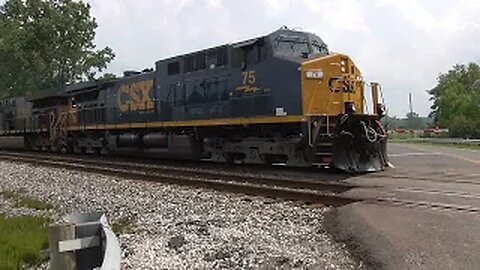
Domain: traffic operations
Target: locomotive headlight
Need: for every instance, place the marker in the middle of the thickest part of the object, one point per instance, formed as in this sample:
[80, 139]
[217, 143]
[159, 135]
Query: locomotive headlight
[314, 74]
[381, 109]
[350, 108]
[343, 65]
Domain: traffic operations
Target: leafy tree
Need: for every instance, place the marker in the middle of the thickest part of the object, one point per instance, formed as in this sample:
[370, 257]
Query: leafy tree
[108, 76]
[412, 121]
[389, 122]
[47, 43]
[456, 100]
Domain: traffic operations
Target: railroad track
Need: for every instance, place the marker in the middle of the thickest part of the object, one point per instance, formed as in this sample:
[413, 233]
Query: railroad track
[394, 200]
[441, 192]
[315, 192]
[457, 178]
[424, 205]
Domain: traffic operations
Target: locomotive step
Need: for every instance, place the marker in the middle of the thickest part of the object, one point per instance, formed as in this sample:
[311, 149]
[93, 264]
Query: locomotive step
[323, 154]
[324, 144]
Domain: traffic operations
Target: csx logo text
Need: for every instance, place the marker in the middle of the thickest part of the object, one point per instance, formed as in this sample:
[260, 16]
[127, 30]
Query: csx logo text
[135, 96]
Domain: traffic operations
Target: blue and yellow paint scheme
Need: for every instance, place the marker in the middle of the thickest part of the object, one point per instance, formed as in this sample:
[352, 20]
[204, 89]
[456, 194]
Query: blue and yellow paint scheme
[282, 97]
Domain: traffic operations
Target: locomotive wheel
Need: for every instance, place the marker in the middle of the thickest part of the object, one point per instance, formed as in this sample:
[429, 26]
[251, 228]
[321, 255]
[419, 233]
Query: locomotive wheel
[234, 158]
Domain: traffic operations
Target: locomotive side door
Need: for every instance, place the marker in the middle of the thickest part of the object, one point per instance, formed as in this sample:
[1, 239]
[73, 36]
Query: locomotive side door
[58, 118]
[2, 119]
[72, 113]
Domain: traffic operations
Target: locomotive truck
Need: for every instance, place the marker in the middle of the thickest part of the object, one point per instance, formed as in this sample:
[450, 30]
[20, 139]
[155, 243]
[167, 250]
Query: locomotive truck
[279, 98]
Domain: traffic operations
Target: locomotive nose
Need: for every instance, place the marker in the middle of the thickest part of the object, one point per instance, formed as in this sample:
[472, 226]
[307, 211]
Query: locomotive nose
[333, 93]
[332, 85]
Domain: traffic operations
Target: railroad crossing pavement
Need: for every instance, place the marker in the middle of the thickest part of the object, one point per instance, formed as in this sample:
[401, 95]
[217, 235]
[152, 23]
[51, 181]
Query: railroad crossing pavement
[427, 212]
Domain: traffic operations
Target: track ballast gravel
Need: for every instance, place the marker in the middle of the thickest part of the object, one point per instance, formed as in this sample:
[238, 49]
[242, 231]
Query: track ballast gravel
[175, 227]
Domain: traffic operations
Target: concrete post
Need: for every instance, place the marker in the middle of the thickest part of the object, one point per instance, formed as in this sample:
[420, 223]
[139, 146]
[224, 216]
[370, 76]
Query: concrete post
[65, 260]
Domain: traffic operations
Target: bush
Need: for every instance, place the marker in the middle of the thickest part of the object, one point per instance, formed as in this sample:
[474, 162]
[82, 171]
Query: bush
[464, 128]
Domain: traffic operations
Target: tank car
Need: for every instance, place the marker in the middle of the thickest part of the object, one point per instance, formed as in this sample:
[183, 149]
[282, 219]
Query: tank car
[279, 98]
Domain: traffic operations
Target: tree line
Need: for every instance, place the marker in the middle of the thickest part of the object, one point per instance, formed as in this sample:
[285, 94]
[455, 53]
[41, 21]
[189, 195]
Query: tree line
[46, 44]
[456, 104]
[456, 100]
[412, 121]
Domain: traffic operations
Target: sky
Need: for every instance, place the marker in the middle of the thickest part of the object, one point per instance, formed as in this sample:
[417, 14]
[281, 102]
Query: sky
[404, 44]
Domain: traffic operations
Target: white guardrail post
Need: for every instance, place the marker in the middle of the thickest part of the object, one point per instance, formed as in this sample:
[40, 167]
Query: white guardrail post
[86, 241]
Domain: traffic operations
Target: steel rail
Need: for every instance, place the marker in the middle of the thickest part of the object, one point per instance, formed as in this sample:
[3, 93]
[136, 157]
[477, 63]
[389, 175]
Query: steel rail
[204, 173]
[395, 202]
[322, 194]
[464, 179]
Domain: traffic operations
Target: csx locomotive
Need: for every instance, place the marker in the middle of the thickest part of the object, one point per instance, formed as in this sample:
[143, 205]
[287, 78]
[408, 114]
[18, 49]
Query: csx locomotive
[280, 98]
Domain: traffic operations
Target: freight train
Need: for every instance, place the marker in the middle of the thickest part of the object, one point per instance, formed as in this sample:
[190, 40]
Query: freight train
[279, 98]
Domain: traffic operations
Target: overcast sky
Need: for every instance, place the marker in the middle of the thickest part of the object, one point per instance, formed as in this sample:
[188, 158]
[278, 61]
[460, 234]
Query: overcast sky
[402, 44]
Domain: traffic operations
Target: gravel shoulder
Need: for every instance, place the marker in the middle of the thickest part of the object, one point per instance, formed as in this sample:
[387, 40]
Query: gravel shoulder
[175, 227]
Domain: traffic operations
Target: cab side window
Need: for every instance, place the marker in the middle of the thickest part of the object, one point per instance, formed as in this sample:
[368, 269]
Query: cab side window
[173, 68]
[249, 55]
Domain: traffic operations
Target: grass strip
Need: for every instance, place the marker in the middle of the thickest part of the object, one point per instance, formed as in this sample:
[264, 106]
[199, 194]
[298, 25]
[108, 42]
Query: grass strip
[25, 201]
[451, 145]
[21, 241]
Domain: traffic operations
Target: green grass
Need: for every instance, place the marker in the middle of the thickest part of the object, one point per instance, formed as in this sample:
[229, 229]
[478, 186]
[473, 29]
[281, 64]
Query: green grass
[25, 201]
[451, 145]
[21, 241]
[401, 137]
[121, 226]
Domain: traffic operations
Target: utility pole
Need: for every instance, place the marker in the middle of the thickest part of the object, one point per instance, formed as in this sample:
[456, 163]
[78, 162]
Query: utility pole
[410, 102]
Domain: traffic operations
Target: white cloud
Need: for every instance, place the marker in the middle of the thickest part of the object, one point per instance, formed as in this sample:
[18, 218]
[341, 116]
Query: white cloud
[214, 3]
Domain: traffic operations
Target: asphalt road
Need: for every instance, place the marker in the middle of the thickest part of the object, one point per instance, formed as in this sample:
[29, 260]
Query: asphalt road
[422, 214]
[438, 158]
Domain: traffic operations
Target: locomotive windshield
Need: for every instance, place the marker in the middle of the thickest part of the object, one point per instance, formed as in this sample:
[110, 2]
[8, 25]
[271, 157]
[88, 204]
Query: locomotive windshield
[291, 45]
[319, 47]
[299, 45]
